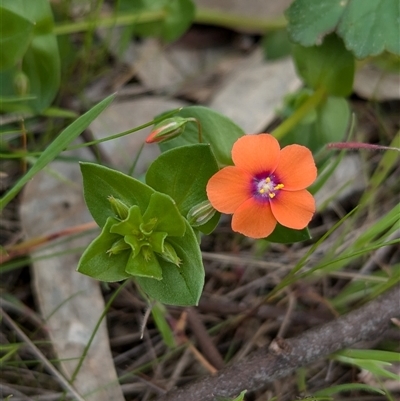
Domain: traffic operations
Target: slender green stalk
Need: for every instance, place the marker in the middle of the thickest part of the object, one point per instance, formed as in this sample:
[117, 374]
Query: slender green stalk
[96, 328]
[203, 16]
[107, 22]
[221, 18]
[310, 104]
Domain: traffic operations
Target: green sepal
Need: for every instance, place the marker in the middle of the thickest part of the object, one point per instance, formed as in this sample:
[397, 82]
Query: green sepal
[168, 219]
[130, 225]
[180, 285]
[157, 241]
[145, 264]
[97, 263]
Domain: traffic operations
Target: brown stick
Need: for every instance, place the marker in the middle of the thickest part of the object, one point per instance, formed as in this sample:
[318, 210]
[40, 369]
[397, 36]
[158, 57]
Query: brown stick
[283, 357]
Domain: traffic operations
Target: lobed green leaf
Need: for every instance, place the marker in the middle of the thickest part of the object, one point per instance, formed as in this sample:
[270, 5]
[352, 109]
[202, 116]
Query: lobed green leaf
[368, 28]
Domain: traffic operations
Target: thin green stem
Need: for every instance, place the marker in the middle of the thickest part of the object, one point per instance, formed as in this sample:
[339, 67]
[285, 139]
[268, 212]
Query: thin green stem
[95, 329]
[310, 104]
[221, 18]
[203, 16]
[199, 129]
[107, 22]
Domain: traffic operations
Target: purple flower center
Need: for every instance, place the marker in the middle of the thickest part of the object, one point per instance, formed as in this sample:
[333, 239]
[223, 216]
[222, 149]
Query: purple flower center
[265, 187]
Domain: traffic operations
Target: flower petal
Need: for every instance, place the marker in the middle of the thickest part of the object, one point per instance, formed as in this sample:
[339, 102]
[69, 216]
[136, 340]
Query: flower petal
[293, 209]
[256, 153]
[229, 188]
[296, 168]
[254, 219]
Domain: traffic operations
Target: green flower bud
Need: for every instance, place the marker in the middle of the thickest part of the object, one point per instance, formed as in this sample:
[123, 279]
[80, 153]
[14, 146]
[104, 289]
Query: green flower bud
[21, 83]
[119, 207]
[200, 214]
[169, 254]
[118, 246]
[167, 129]
[147, 228]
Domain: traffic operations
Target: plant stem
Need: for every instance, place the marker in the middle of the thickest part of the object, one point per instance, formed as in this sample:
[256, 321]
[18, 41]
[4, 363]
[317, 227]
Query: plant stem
[311, 103]
[203, 16]
[227, 20]
[107, 22]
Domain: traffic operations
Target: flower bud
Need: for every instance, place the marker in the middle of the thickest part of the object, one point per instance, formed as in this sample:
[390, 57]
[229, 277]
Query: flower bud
[169, 254]
[119, 207]
[200, 214]
[117, 247]
[167, 129]
[21, 83]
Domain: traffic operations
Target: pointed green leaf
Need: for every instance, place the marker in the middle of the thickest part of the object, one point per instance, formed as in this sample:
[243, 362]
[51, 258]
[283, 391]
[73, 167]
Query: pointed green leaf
[183, 173]
[217, 130]
[97, 263]
[180, 285]
[100, 182]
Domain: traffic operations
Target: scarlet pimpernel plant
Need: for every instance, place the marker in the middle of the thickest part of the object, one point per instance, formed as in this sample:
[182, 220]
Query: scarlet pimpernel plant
[151, 232]
[266, 186]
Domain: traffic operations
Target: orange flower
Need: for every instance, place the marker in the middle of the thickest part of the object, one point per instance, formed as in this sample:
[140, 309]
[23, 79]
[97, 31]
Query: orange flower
[266, 186]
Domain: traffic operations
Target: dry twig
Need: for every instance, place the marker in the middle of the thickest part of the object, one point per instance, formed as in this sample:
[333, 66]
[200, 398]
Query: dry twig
[283, 357]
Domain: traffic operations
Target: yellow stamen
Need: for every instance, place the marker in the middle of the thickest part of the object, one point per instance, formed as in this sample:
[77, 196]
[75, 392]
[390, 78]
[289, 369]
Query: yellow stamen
[261, 191]
[268, 180]
[279, 186]
[271, 195]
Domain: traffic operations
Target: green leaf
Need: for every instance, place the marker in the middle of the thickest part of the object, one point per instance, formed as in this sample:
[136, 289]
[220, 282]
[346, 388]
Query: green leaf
[309, 20]
[367, 27]
[371, 27]
[15, 35]
[41, 62]
[179, 15]
[217, 130]
[56, 147]
[100, 182]
[97, 263]
[183, 173]
[276, 44]
[329, 66]
[286, 235]
[180, 285]
[159, 313]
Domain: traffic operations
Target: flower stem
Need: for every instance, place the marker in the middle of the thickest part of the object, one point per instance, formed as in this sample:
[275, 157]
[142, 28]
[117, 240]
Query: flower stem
[198, 128]
[311, 103]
